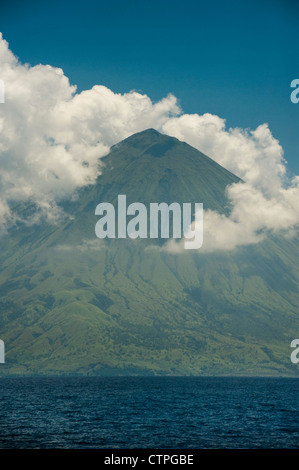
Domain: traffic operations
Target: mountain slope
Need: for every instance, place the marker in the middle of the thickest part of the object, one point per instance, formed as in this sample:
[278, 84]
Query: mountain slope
[71, 303]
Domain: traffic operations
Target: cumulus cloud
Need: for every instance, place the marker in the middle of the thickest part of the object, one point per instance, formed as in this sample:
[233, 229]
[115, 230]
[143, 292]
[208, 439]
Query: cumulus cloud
[252, 218]
[52, 139]
[265, 202]
[255, 156]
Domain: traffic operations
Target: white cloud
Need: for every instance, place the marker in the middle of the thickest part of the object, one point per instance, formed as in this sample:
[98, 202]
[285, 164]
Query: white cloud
[254, 156]
[51, 140]
[261, 204]
[253, 217]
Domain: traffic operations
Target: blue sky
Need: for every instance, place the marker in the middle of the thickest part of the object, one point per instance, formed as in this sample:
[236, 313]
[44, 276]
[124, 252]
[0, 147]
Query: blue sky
[234, 59]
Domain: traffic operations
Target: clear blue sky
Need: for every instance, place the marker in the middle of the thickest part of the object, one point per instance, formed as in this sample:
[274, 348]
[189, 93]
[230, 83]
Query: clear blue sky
[232, 58]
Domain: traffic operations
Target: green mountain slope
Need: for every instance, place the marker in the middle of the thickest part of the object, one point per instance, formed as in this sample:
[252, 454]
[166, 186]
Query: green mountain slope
[73, 304]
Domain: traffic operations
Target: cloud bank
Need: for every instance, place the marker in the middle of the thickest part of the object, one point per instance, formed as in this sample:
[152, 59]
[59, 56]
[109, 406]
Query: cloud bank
[266, 202]
[52, 139]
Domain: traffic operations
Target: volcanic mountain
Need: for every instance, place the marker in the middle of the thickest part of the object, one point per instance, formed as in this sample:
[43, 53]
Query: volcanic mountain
[74, 304]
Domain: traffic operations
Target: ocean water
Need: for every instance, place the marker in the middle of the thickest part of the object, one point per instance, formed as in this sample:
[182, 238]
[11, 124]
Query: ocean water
[149, 412]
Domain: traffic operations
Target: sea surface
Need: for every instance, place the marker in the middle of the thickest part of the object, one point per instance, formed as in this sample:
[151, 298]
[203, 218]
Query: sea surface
[149, 412]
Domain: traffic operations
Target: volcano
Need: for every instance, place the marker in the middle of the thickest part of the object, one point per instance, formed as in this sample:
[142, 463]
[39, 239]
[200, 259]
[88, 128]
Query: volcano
[74, 304]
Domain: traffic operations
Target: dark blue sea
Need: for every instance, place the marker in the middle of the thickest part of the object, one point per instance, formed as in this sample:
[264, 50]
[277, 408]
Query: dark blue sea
[149, 412]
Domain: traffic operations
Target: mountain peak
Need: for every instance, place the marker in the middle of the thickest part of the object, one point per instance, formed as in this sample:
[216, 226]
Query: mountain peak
[146, 135]
[149, 166]
[150, 131]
